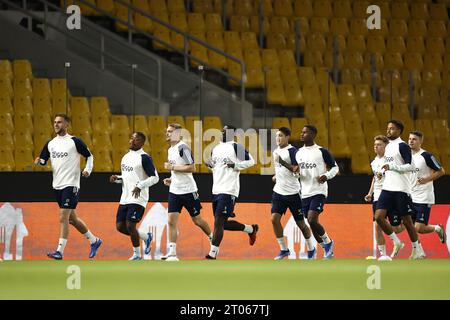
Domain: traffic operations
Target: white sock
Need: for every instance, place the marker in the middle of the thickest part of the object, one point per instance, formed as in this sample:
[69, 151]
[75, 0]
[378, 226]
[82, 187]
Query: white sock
[248, 228]
[382, 249]
[61, 245]
[394, 237]
[137, 251]
[437, 228]
[415, 244]
[143, 235]
[210, 237]
[325, 238]
[214, 251]
[172, 249]
[309, 243]
[282, 243]
[322, 245]
[90, 237]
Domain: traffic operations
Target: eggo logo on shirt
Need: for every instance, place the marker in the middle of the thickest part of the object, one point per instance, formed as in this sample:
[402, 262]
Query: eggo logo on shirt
[56, 154]
[127, 168]
[306, 165]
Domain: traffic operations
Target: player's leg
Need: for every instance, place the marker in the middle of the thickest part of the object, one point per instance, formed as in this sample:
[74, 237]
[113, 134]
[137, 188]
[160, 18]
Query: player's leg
[379, 238]
[234, 225]
[175, 207]
[279, 208]
[404, 205]
[295, 206]
[193, 206]
[121, 218]
[421, 222]
[79, 224]
[64, 215]
[219, 222]
[122, 227]
[203, 225]
[316, 205]
[133, 216]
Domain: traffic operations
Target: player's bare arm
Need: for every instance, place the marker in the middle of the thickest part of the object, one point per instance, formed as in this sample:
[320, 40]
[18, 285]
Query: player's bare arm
[369, 195]
[179, 167]
[433, 176]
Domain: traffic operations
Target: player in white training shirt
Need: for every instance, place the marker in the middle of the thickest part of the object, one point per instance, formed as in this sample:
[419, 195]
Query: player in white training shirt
[227, 159]
[64, 151]
[138, 175]
[286, 193]
[427, 170]
[379, 147]
[313, 162]
[183, 191]
[396, 190]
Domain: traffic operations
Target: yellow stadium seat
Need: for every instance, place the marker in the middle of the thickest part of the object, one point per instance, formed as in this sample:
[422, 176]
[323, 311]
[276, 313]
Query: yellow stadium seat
[216, 39]
[413, 61]
[6, 88]
[306, 75]
[156, 123]
[41, 88]
[267, 7]
[299, 22]
[176, 6]
[81, 122]
[417, 28]
[291, 43]
[415, 44]
[120, 140]
[79, 106]
[22, 69]
[303, 8]
[342, 9]
[360, 8]
[103, 161]
[339, 145]
[203, 6]
[6, 159]
[385, 29]
[60, 105]
[121, 13]
[23, 122]
[358, 26]
[176, 119]
[360, 161]
[341, 42]
[419, 10]
[297, 125]
[101, 124]
[158, 6]
[437, 28]
[23, 105]
[286, 58]
[213, 22]
[270, 58]
[232, 40]
[229, 9]
[119, 123]
[283, 8]
[278, 122]
[393, 60]
[276, 41]
[200, 53]
[138, 123]
[255, 25]
[339, 26]
[212, 122]
[438, 11]
[106, 5]
[59, 87]
[23, 159]
[353, 60]
[23, 139]
[6, 106]
[100, 107]
[356, 43]
[240, 23]
[375, 44]
[350, 76]
[398, 27]
[101, 141]
[248, 40]
[6, 69]
[43, 122]
[163, 34]
[316, 42]
[395, 44]
[6, 122]
[313, 59]
[432, 61]
[292, 94]
[431, 78]
[141, 22]
[22, 87]
[383, 111]
[322, 8]
[319, 25]
[435, 45]
[243, 7]
[280, 25]
[400, 10]
[252, 58]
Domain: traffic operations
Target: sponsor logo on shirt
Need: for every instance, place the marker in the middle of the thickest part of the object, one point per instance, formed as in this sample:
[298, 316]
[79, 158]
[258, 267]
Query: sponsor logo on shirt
[56, 154]
[306, 165]
[389, 159]
[127, 168]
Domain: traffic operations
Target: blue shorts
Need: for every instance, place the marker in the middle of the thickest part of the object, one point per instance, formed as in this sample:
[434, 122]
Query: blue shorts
[223, 204]
[280, 203]
[130, 212]
[190, 201]
[314, 203]
[395, 202]
[421, 213]
[394, 218]
[67, 198]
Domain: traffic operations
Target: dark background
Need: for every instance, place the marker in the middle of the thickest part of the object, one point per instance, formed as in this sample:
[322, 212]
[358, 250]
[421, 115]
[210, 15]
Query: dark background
[37, 186]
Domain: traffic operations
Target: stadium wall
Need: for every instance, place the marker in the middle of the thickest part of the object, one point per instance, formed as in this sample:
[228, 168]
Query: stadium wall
[30, 229]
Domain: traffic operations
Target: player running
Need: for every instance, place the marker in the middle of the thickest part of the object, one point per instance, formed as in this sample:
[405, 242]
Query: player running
[396, 188]
[313, 161]
[183, 191]
[227, 159]
[137, 174]
[379, 147]
[427, 170]
[64, 151]
[286, 193]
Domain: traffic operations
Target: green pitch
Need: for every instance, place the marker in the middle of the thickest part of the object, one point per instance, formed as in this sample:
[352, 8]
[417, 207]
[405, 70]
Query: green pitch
[227, 279]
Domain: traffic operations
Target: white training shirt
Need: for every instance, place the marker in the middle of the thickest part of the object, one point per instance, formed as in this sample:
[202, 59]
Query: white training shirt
[182, 182]
[286, 181]
[376, 165]
[425, 163]
[313, 162]
[65, 152]
[137, 171]
[399, 158]
[225, 179]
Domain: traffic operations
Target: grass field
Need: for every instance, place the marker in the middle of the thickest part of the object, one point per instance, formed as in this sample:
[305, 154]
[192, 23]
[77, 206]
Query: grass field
[226, 279]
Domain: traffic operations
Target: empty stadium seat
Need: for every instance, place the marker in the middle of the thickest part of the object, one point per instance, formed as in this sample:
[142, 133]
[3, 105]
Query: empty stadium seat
[22, 69]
